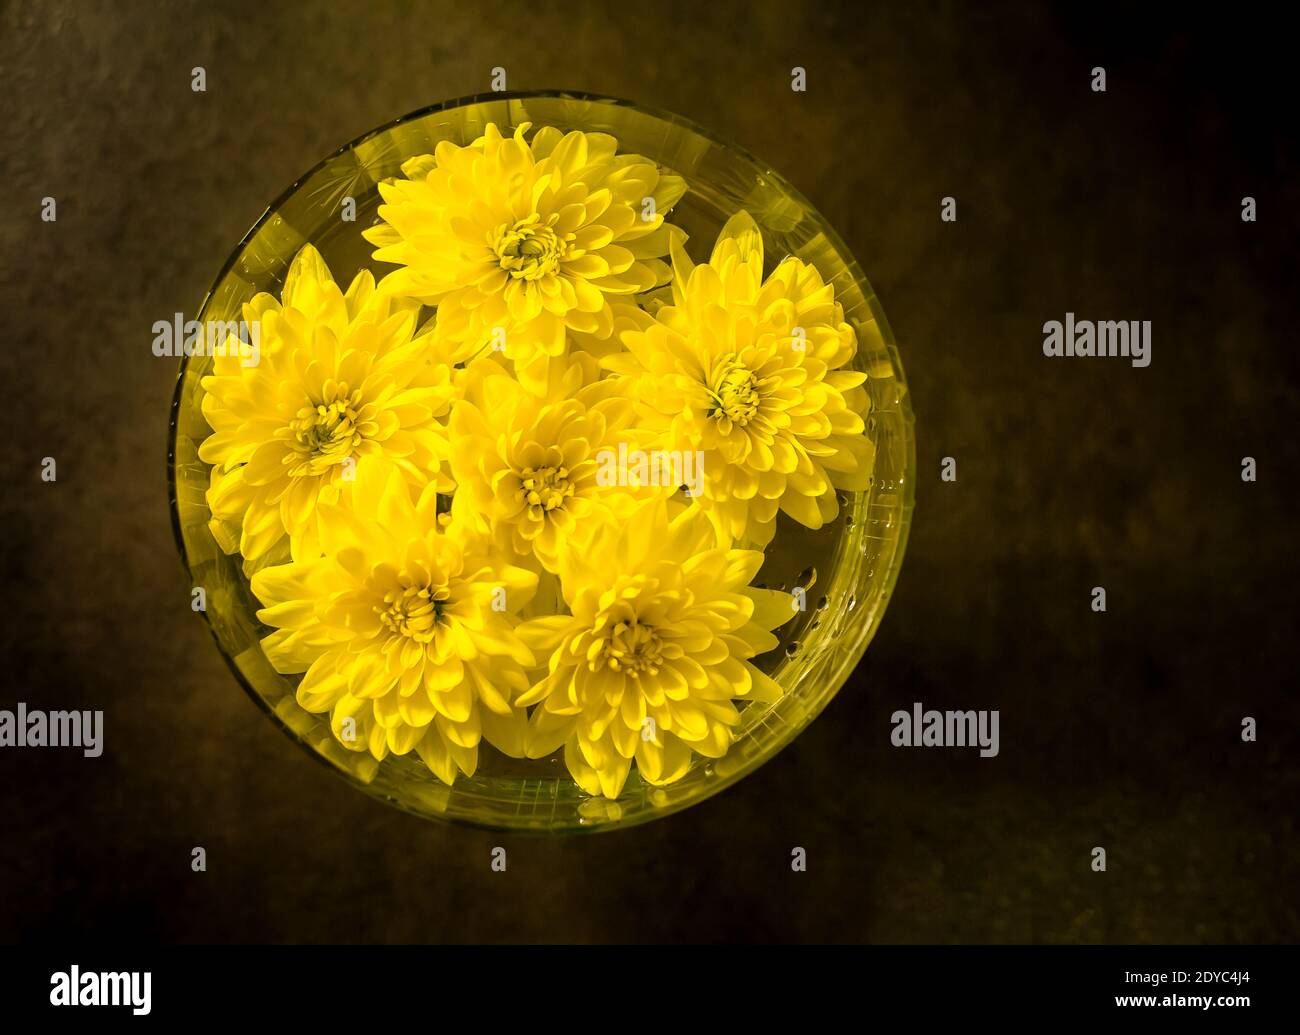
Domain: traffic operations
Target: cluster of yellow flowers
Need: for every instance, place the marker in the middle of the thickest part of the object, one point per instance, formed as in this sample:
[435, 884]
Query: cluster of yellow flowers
[400, 488]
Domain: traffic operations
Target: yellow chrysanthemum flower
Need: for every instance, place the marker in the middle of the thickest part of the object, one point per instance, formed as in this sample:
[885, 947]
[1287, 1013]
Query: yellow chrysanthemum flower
[339, 378]
[662, 628]
[752, 372]
[517, 242]
[539, 472]
[405, 628]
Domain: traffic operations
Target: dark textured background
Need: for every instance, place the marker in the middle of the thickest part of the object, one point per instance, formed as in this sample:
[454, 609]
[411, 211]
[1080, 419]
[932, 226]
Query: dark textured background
[1119, 730]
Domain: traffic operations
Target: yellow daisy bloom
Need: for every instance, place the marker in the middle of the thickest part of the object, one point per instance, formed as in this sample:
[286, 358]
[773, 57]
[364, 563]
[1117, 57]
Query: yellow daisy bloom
[518, 242]
[339, 378]
[405, 628]
[529, 468]
[753, 373]
[658, 643]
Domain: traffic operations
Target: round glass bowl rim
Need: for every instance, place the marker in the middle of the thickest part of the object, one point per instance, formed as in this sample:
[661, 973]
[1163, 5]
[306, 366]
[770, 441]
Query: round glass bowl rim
[846, 664]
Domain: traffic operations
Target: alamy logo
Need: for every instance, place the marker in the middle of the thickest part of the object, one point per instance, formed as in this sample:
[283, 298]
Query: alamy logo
[93, 988]
[23, 728]
[1128, 338]
[181, 337]
[670, 468]
[920, 728]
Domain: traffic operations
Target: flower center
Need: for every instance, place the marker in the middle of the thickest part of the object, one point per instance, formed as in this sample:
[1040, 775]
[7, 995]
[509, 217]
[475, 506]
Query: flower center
[413, 611]
[545, 488]
[735, 398]
[326, 434]
[632, 648]
[528, 250]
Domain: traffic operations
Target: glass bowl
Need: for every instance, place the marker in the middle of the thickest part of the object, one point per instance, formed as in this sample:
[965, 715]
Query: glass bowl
[847, 569]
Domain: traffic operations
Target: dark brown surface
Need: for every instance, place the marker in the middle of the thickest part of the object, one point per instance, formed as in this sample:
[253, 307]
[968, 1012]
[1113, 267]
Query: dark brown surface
[1118, 730]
